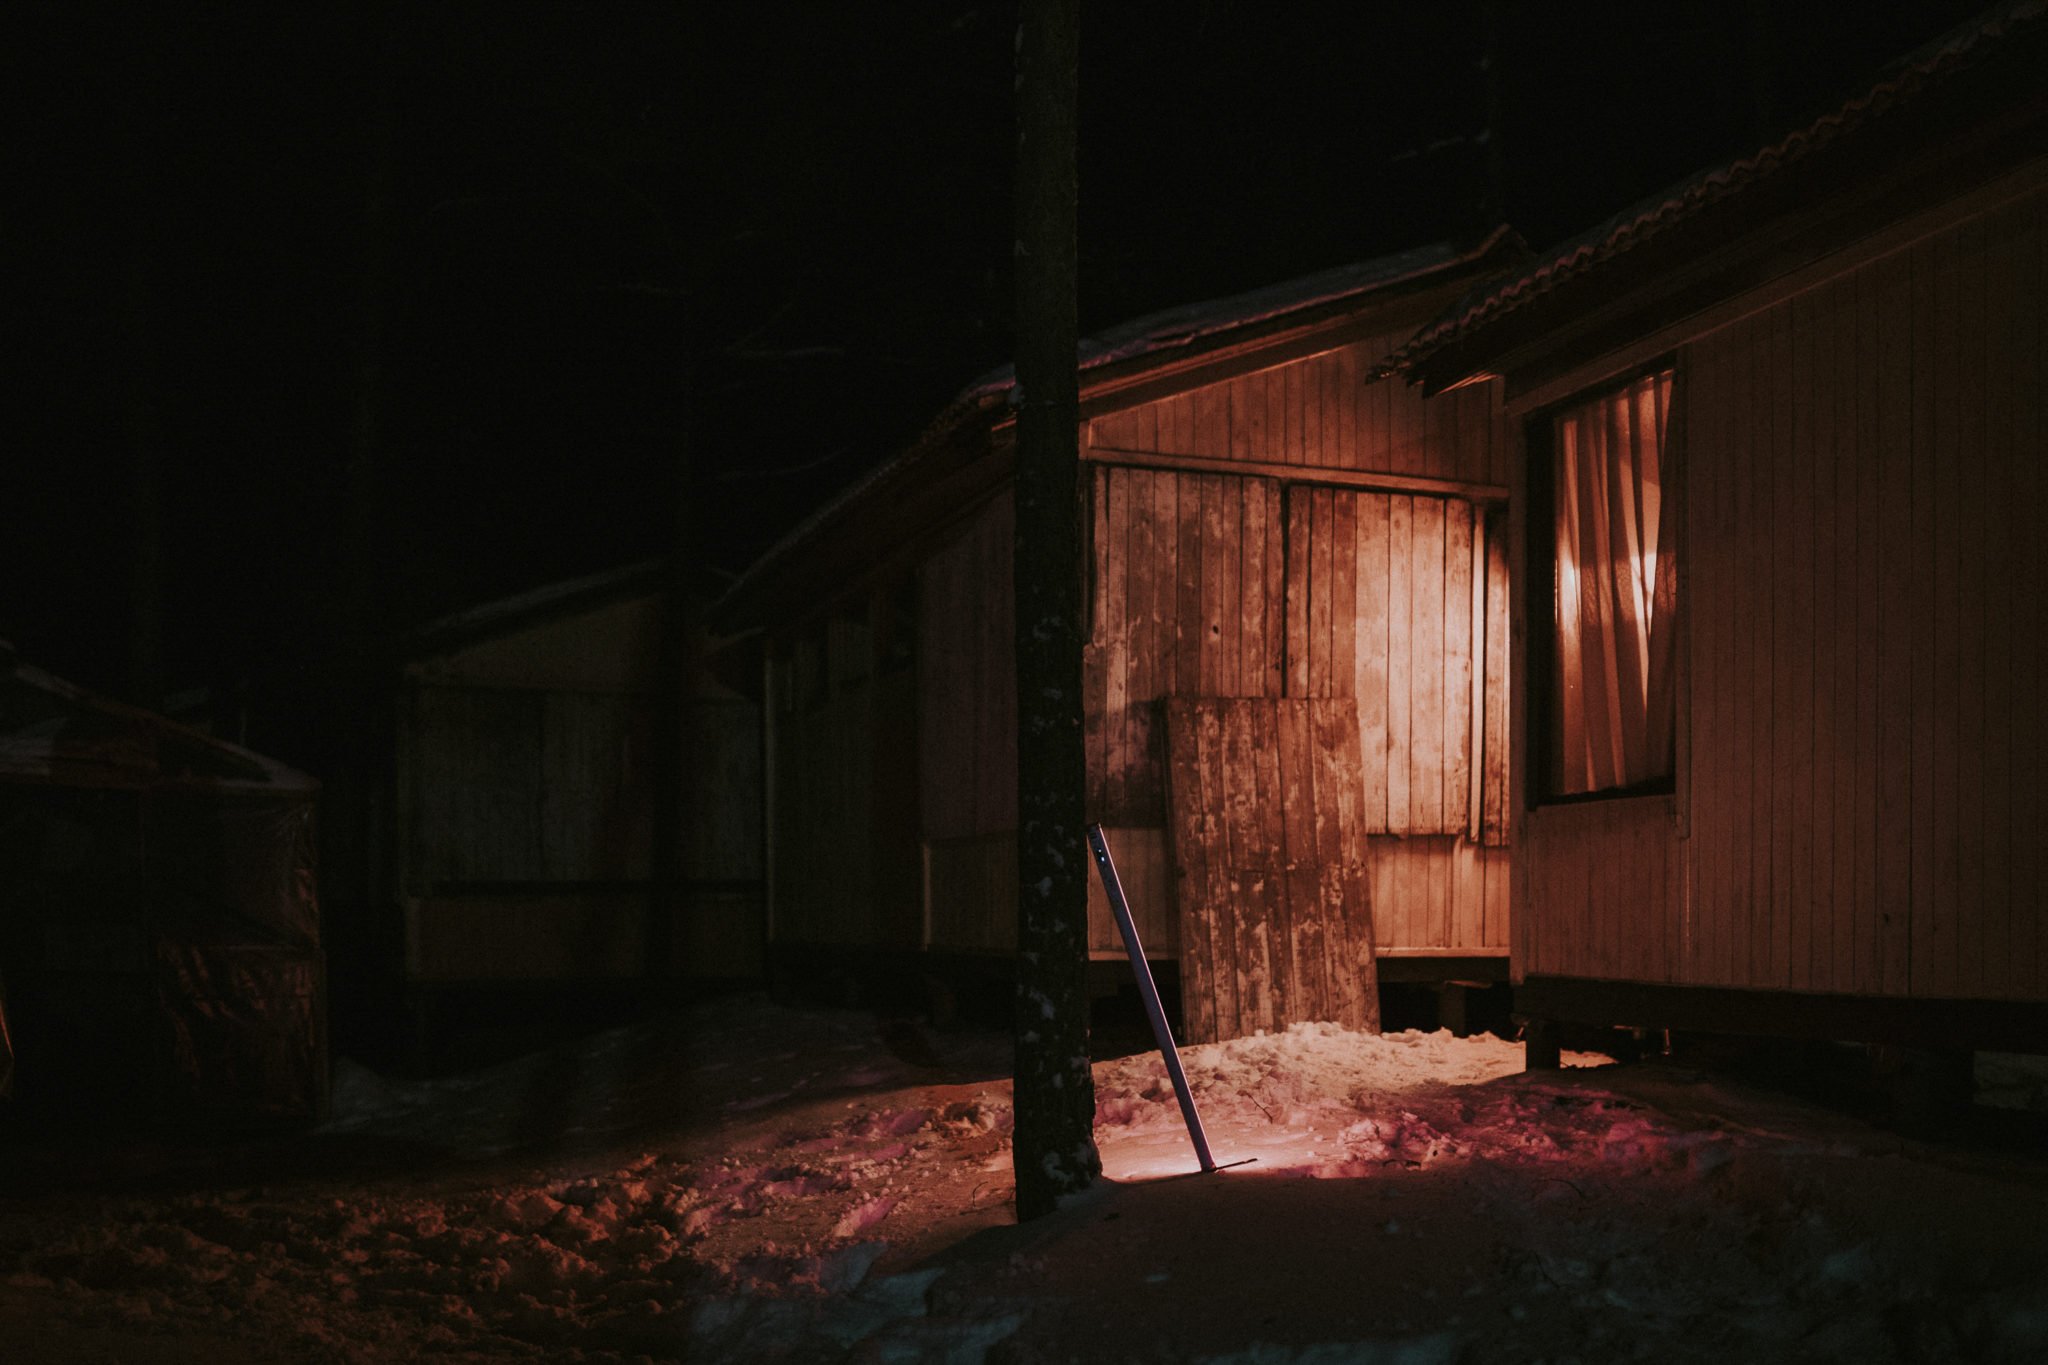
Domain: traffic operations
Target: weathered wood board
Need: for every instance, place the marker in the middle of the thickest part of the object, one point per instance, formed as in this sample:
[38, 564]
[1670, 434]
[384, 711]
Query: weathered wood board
[1269, 858]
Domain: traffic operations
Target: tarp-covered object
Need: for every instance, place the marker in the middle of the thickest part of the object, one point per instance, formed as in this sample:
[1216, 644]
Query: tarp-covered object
[159, 932]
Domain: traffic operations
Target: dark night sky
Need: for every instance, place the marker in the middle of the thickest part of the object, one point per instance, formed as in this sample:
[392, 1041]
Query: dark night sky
[776, 231]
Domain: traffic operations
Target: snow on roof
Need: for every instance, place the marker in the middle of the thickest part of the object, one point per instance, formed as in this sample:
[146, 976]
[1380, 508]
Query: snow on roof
[54, 731]
[1920, 70]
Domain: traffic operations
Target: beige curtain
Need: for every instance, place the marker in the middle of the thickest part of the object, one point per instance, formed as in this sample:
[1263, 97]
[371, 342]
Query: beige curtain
[1616, 576]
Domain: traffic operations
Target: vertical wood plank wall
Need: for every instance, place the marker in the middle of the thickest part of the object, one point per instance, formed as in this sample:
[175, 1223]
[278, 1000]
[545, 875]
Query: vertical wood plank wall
[824, 731]
[967, 734]
[1865, 594]
[1318, 413]
[1216, 585]
[527, 824]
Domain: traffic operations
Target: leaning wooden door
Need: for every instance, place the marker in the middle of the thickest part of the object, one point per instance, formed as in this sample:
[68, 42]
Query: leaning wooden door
[1269, 862]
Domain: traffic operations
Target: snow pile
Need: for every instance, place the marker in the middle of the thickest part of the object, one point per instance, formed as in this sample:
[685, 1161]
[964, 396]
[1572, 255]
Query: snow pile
[1285, 1076]
[601, 1267]
[773, 1185]
[1321, 1100]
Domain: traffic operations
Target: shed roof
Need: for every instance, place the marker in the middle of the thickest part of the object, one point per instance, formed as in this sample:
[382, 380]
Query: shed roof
[1904, 83]
[52, 731]
[1157, 340]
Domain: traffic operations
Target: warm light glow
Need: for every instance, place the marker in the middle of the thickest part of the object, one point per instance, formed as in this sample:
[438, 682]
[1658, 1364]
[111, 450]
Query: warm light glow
[1616, 580]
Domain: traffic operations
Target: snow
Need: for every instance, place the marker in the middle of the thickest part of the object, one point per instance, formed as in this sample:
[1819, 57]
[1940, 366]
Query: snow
[750, 1183]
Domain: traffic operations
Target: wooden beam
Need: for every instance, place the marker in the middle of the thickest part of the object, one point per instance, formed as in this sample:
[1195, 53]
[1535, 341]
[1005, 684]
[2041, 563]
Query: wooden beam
[1327, 478]
[1997, 1025]
[1445, 954]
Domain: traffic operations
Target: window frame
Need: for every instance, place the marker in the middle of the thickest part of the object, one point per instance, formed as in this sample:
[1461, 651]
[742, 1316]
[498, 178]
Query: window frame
[1540, 586]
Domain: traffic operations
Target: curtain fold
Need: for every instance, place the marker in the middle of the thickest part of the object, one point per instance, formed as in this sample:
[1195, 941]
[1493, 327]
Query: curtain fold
[1616, 581]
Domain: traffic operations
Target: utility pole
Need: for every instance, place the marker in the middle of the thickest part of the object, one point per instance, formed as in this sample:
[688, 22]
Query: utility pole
[1054, 1148]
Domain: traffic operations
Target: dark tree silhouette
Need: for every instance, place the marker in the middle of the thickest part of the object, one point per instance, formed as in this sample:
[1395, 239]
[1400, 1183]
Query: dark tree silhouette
[1055, 1094]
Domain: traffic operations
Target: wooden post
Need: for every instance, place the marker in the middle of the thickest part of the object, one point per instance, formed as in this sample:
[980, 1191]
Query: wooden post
[1054, 1150]
[1541, 1051]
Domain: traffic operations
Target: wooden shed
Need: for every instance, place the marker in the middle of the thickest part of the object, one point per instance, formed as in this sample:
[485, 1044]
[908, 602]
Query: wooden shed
[1266, 524]
[526, 795]
[161, 947]
[1778, 467]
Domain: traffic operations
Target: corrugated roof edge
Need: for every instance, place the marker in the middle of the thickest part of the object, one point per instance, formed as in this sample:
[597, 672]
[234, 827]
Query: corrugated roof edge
[1171, 329]
[1928, 65]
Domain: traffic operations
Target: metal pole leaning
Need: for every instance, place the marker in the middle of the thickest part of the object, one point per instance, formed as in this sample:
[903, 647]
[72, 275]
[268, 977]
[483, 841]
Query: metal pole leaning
[1148, 990]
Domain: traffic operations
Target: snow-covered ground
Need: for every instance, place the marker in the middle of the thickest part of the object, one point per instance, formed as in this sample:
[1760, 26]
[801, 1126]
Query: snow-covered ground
[756, 1183]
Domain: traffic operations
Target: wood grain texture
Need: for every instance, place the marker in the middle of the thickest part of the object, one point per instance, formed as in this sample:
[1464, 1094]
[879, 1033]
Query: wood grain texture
[967, 715]
[1270, 865]
[1864, 778]
[1147, 877]
[1495, 788]
[1316, 413]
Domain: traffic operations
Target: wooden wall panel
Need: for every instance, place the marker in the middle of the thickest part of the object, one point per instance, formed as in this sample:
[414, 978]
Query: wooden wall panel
[1863, 781]
[1438, 893]
[595, 787]
[1187, 602]
[1381, 606]
[523, 785]
[723, 839]
[971, 893]
[1597, 902]
[1188, 585]
[823, 891]
[967, 681]
[1316, 413]
[477, 778]
[1147, 876]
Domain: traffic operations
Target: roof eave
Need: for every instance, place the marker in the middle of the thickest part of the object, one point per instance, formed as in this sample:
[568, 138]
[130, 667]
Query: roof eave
[983, 411]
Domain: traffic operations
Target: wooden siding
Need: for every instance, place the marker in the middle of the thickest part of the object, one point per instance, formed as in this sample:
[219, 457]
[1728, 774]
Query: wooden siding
[1188, 583]
[1213, 584]
[1316, 413]
[722, 821]
[1438, 893]
[1187, 602]
[1382, 607]
[1609, 882]
[1863, 779]
[971, 895]
[526, 825]
[967, 680]
[518, 785]
[823, 890]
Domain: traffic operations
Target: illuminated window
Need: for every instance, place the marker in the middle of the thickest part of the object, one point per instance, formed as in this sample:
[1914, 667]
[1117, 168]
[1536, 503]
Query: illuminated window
[1614, 518]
